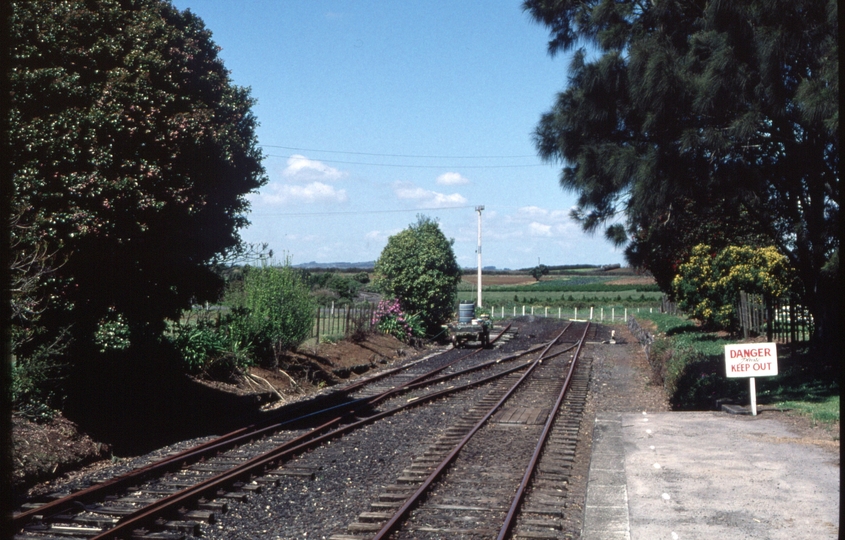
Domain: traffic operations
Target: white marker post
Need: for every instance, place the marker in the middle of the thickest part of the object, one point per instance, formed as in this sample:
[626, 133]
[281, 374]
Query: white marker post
[751, 360]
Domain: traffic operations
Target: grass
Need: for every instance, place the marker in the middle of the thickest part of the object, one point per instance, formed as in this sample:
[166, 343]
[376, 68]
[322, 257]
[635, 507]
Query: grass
[692, 365]
[823, 412]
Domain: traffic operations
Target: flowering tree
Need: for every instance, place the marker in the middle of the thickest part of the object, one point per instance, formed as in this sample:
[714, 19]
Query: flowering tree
[709, 283]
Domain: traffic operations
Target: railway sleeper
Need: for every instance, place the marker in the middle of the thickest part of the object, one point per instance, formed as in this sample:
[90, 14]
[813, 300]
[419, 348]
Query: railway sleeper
[410, 480]
[249, 488]
[561, 469]
[300, 473]
[393, 497]
[550, 485]
[399, 488]
[385, 505]
[374, 517]
[143, 534]
[113, 510]
[455, 532]
[537, 535]
[239, 496]
[221, 507]
[96, 521]
[531, 508]
[200, 515]
[66, 529]
[541, 523]
[188, 527]
[141, 501]
[361, 527]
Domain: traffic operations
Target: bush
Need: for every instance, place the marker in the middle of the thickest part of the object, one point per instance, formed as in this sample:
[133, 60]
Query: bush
[37, 379]
[708, 284]
[208, 341]
[390, 319]
[279, 309]
[418, 267]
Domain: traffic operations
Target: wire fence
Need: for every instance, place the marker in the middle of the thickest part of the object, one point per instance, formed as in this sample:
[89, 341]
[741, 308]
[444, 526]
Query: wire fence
[779, 319]
[610, 314]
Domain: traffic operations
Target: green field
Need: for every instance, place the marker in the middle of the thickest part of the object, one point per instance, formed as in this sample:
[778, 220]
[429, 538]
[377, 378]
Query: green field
[561, 296]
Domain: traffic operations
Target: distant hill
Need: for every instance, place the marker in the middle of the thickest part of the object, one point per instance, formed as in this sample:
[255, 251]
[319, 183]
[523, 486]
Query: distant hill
[337, 265]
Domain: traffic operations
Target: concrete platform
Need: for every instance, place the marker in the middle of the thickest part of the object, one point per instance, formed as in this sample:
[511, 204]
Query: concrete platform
[707, 475]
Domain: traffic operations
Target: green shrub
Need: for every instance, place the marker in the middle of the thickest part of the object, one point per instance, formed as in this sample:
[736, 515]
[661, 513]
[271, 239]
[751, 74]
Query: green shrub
[708, 284]
[418, 267]
[208, 341]
[690, 363]
[198, 344]
[278, 308]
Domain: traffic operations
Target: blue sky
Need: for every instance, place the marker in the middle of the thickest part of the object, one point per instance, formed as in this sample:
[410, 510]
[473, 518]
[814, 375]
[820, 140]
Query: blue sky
[374, 112]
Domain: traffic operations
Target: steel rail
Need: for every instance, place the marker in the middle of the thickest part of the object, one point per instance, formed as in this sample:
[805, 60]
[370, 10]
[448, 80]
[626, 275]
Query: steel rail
[220, 444]
[541, 443]
[390, 526]
[147, 515]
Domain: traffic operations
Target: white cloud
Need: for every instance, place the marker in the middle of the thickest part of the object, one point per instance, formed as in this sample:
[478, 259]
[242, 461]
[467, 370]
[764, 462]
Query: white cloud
[451, 179]
[427, 198]
[315, 192]
[531, 212]
[539, 229]
[301, 167]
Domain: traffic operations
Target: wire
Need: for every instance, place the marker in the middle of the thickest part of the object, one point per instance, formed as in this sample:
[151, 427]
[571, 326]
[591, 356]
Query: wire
[393, 155]
[439, 208]
[421, 166]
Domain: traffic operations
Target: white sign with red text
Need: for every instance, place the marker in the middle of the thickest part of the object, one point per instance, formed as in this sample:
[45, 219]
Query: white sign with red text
[751, 360]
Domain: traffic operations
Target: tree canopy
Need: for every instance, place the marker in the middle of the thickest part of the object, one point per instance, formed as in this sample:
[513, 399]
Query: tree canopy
[677, 106]
[132, 152]
[418, 267]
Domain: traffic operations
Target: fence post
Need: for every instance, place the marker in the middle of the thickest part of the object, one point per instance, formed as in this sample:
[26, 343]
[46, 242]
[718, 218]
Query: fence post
[317, 340]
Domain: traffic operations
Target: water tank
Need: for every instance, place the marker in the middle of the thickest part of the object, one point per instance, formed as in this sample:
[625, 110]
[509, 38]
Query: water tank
[466, 312]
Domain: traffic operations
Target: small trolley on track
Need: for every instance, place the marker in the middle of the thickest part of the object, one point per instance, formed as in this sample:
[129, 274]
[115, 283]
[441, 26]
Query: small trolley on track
[469, 331]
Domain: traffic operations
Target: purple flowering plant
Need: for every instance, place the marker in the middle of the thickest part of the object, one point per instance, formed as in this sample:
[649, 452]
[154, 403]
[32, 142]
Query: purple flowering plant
[390, 319]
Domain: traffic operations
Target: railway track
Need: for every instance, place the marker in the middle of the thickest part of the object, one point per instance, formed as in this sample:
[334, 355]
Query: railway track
[471, 481]
[187, 494]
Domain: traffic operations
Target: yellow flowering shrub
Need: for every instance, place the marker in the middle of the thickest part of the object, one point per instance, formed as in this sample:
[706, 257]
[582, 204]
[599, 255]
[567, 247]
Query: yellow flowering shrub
[708, 284]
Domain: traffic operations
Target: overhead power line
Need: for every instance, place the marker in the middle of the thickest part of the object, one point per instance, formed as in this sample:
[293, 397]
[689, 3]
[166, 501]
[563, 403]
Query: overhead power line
[359, 212]
[419, 166]
[393, 155]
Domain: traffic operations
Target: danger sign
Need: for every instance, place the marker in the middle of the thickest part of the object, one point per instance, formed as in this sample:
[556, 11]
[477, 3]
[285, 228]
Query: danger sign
[751, 360]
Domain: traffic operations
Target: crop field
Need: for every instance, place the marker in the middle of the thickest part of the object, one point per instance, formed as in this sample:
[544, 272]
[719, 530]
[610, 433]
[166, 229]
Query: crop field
[569, 295]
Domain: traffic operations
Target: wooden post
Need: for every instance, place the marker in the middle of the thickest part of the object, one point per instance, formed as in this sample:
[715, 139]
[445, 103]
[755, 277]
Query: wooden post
[317, 340]
[346, 330]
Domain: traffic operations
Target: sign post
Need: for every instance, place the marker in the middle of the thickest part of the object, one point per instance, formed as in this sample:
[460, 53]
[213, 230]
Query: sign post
[751, 360]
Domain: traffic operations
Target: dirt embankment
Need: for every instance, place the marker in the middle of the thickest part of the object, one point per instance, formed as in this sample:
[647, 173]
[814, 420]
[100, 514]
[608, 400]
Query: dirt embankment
[186, 408]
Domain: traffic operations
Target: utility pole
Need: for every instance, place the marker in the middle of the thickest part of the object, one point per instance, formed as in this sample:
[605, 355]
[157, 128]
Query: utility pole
[479, 209]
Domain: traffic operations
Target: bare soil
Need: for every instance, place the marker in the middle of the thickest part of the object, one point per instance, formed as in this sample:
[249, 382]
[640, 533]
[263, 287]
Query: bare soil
[633, 280]
[497, 279]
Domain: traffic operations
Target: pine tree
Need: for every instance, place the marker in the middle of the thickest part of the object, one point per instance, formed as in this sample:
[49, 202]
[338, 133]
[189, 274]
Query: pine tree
[732, 105]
